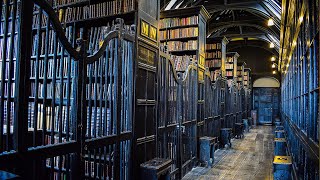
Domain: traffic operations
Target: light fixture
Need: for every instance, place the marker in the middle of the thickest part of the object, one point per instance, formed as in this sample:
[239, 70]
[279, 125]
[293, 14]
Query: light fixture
[300, 19]
[273, 72]
[287, 65]
[271, 45]
[273, 58]
[270, 22]
[273, 65]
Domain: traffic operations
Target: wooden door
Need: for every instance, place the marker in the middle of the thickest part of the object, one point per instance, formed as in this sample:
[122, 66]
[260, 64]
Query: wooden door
[266, 102]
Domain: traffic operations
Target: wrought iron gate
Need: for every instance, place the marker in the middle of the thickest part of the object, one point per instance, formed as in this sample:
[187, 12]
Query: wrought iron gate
[177, 121]
[71, 111]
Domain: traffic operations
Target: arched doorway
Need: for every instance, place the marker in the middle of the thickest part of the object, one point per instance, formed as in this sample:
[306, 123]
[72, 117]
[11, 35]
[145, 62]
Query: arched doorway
[266, 99]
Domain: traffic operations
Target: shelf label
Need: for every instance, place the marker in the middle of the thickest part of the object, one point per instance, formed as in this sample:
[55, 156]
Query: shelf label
[144, 28]
[147, 30]
[146, 56]
[153, 33]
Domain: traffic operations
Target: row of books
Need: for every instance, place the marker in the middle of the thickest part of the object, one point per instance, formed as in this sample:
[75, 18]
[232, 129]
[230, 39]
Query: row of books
[239, 79]
[6, 90]
[97, 169]
[8, 50]
[179, 33]
[173, 22]
[99, 122]
[216, 54]
[108, 8]
[245, 78]
[213, 46]
[213, 63]
[40, 44]
[98, 90]
[57, 118]
[230, 59]
[95, 69]
[9, 4]
[229, 66]
[9, 26]
[36, 20]
[180, 45]
[7, 121]
[56, 160]
[182, 62]
[8, 112]
[239, 73]
[55, 139]
[49, 86]
[96, 37]
[8, 71]
[229, 73]
[64, 2]
[57, 68]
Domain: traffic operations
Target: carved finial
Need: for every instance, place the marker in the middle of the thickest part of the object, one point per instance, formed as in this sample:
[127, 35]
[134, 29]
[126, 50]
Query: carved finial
[119, 23]
[79, 42]
[133, 29]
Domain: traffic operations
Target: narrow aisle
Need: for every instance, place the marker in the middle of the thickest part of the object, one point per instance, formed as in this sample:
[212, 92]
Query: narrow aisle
[249, 158]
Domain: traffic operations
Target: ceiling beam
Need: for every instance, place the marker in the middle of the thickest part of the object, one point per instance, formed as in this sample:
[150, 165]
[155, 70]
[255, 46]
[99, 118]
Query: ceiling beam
[265, 47]
[214, 28]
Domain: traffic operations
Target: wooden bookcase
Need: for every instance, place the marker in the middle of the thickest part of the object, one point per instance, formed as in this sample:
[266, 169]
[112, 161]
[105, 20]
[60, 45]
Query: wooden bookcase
[231, 65]
[183, 31]
[216, 56]
[247, 78]
[240, 73]
[52, 100]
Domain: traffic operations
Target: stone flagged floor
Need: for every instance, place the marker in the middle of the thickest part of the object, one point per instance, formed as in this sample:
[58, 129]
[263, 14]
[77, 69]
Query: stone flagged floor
[249, 158]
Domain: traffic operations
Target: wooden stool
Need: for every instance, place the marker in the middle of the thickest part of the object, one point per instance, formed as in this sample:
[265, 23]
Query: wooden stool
[238, 130]
[225, 136]
[282, 167]
[156, 169]
[246, 124]
[207, 148]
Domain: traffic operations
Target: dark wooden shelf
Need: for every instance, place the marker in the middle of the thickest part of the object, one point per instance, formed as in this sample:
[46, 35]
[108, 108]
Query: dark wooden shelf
[184, 52]
[213, 59]
[178, 27]
[212, 50]
[214, 68]
[100, 21]
[74, 4]
[180, 39]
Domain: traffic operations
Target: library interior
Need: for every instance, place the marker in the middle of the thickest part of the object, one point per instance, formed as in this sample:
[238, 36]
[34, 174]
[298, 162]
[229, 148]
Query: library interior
[159, 89]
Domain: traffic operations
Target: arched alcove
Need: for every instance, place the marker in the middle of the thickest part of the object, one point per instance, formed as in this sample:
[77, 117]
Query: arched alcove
[266, 82]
